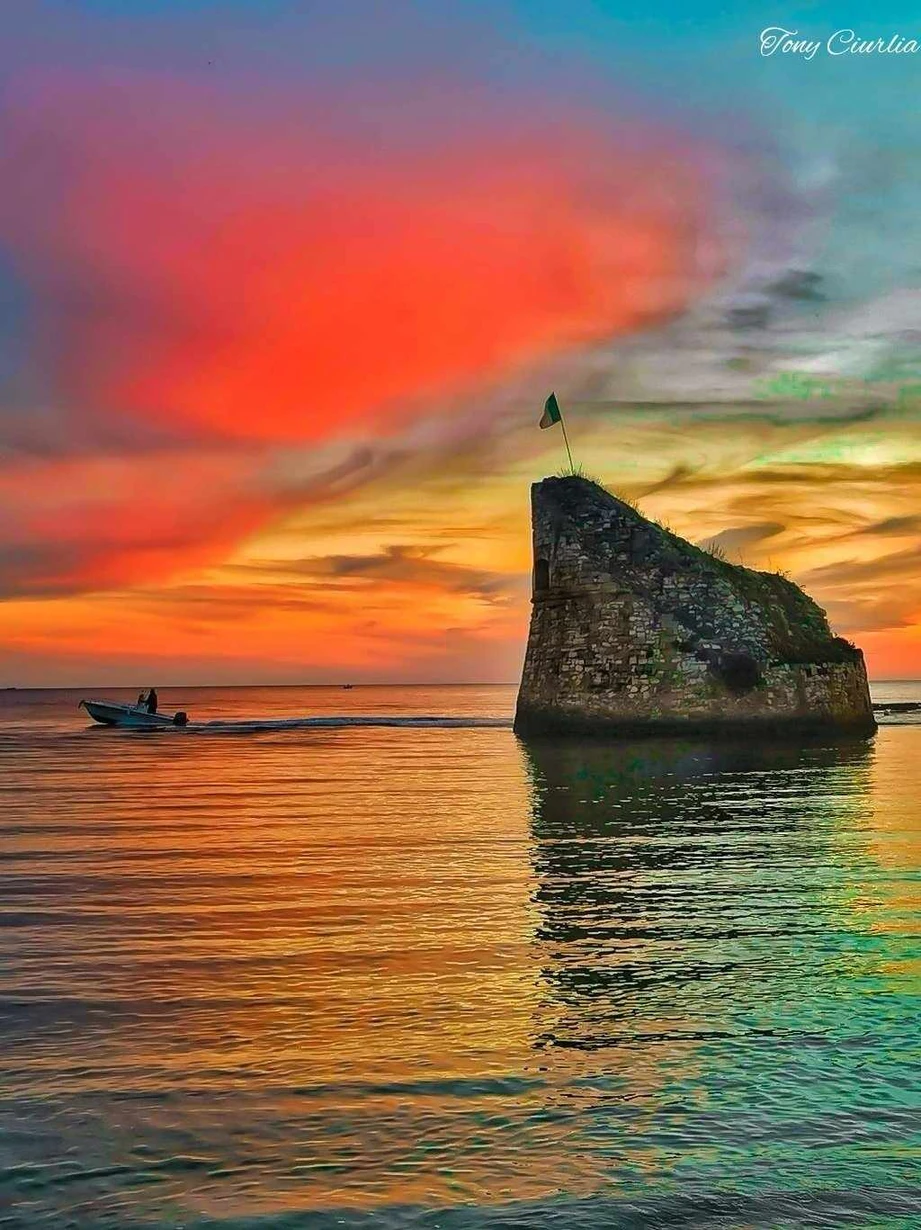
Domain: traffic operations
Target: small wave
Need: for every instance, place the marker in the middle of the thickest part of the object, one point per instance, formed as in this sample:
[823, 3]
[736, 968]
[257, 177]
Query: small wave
[898, 712]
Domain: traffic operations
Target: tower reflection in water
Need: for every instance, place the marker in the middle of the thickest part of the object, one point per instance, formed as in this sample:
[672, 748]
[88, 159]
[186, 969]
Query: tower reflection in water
[685, 892]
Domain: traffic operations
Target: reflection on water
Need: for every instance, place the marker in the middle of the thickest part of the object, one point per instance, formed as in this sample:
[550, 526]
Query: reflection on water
[707, 948]
[438, 977]
[668, 871]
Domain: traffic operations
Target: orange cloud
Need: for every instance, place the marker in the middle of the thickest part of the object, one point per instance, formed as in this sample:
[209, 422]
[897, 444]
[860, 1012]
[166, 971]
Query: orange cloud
[95, 523]
[379, 628]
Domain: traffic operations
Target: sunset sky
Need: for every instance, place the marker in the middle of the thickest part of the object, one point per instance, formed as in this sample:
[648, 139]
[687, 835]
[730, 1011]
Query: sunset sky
[283, 287]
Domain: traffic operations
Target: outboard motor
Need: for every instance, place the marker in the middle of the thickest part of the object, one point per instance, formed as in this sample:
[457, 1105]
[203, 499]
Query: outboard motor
[180, 719]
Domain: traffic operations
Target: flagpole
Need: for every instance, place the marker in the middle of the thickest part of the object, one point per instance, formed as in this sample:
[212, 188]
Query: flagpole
[572, 468]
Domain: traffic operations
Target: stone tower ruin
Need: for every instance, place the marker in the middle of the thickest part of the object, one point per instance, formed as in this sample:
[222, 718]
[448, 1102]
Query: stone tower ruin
[634, 630]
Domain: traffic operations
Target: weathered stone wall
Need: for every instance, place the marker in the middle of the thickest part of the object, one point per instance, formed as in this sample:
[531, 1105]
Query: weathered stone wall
[635, 629]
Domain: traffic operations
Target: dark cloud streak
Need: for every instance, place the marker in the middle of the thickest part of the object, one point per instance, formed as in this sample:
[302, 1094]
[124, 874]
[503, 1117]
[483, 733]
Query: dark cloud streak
[400, 563]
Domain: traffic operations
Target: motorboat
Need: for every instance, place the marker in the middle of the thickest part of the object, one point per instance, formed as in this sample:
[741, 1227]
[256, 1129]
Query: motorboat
[111, 713]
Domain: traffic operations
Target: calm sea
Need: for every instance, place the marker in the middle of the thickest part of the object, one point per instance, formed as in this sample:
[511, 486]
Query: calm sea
[280, 975]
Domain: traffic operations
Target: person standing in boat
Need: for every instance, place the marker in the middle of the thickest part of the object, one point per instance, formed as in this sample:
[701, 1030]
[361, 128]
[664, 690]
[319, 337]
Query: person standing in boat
[152, 700]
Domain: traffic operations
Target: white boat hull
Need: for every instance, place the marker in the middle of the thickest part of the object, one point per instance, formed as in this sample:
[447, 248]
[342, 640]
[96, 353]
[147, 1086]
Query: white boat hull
[109, 713]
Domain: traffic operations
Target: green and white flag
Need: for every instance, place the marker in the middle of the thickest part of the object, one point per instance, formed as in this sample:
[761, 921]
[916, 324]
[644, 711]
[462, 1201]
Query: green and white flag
[551, 413]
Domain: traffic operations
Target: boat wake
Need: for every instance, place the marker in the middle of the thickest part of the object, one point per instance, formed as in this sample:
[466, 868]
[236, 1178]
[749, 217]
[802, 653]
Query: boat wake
[219, 726]
[886, 713]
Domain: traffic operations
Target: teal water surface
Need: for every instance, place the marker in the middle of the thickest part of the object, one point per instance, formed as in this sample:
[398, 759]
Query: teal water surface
[432, 976]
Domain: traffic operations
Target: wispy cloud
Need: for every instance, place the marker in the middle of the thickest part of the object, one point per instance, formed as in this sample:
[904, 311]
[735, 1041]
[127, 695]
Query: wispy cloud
[405, 564]
[736, 538]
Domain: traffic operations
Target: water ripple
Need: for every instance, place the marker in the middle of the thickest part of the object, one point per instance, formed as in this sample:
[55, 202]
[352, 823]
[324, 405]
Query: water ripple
[426, 975]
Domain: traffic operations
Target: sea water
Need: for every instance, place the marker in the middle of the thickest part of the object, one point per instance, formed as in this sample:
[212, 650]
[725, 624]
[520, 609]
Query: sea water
[429, 975]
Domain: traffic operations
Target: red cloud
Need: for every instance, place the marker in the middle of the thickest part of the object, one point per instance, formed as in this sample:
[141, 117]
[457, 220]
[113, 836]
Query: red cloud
[267, 272]
[270, 275]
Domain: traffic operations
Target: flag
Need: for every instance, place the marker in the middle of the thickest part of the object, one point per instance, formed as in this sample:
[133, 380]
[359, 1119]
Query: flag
[552, 413]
